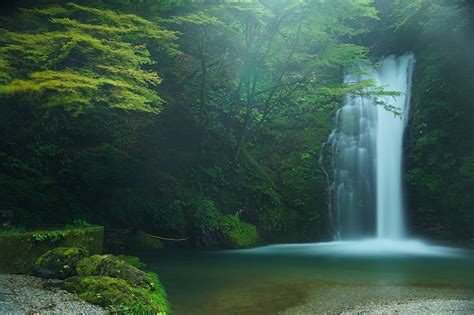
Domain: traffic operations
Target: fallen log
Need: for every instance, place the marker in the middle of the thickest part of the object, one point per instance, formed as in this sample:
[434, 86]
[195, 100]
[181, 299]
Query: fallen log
[168, 239]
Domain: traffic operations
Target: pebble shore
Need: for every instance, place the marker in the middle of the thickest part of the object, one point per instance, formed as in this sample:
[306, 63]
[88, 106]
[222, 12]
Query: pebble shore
[21, 294]
[418, 307]
[385, 299]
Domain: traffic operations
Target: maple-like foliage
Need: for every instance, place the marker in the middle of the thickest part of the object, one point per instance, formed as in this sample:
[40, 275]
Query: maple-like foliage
[76, 57]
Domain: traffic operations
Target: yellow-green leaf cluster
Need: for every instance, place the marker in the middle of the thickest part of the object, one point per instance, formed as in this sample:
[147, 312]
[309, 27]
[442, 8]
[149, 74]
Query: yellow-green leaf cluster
[77, 57]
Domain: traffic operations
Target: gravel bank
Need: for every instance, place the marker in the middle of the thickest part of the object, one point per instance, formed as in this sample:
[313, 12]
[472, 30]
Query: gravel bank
[385, 299]
[27, 295]
[419, 307]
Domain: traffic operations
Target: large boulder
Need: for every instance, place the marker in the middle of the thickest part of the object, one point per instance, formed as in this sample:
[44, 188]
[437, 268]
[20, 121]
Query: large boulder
[117, 295]
[59, 263]
[111, 266]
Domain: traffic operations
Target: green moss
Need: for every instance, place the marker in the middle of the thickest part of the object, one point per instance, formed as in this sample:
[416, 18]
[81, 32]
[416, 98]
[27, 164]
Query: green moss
[59, 263]
[19, 250]
[239, 234]
[115, 295]
[132, 260]
[109, 265]
[158, 295]
[116, 285]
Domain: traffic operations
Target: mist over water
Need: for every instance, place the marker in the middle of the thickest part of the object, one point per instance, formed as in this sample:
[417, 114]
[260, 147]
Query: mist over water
[366, 195]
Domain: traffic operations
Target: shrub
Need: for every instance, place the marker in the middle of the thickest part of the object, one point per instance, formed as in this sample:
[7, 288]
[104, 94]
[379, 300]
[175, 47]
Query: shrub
[239, 234]
[205, 216]
[51, 237]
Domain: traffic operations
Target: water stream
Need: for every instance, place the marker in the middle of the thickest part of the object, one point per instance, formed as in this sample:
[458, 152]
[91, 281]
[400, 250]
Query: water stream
[366, 190]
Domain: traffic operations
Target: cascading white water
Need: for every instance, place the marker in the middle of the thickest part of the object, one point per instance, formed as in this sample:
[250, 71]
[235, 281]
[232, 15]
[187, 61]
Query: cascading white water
[394, 75]
[366, 195]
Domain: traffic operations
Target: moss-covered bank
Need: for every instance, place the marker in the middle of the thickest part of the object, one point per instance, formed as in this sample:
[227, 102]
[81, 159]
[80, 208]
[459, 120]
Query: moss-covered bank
[117, 295]
[19, 250]
[116, 283]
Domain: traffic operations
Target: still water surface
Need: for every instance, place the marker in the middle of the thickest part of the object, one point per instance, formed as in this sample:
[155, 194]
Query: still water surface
[311, 277]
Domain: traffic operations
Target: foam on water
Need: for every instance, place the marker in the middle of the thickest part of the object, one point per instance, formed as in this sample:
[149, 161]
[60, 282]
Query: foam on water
[361, 248]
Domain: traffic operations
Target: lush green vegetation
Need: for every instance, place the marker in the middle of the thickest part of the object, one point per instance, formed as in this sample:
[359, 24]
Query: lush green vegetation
[203, 119]
[441, 160]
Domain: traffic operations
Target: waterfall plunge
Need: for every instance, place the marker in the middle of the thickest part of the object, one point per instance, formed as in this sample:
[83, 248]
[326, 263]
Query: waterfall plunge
[366, 195]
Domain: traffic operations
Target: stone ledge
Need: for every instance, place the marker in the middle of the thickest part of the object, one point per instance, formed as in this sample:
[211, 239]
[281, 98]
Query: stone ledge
[19, 250]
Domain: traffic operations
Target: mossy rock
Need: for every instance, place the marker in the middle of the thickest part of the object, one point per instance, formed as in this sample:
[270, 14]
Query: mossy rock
[109, 265]
[140, 241]
[132, 260]
[59, 263]
[238, 234]
[117, 295]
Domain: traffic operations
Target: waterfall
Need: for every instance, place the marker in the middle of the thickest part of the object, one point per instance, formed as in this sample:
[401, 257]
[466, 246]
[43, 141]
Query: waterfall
[365, 189]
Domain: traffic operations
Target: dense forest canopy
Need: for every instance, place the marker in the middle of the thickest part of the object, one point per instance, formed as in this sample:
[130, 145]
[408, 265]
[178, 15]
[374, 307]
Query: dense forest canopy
[188, 118]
